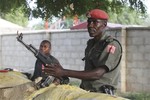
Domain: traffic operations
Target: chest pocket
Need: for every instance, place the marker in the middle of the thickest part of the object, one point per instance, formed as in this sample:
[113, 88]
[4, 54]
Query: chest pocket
[93, 51]
[99, 47]
[97, 50]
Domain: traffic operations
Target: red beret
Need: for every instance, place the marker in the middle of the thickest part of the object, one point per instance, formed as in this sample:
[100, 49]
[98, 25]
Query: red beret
[98, 14]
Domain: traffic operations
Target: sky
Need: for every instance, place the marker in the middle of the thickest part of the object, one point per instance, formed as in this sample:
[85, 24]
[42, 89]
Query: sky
[147, 3]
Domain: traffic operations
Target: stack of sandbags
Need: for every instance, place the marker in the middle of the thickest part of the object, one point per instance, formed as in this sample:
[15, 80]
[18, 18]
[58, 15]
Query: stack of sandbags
[16, 86]
[67, 92]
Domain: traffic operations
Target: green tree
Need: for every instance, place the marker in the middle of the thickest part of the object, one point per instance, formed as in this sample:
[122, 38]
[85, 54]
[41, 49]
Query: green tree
[128, 16]
[16, 16]
[49, 8]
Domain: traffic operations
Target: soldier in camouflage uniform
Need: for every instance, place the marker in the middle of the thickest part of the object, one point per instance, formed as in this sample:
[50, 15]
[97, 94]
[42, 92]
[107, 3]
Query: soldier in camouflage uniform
[102, 56]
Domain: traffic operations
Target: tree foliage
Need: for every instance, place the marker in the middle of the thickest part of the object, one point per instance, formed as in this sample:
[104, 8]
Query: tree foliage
[128, 17]
[6, 6]
[16, 16]
[58, 8]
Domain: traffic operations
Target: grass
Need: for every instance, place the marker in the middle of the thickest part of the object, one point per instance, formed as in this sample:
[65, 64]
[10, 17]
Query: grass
[135, 96]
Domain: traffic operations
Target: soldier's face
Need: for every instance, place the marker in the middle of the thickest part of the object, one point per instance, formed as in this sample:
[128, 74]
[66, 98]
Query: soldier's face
[45, 48]
[95, 27]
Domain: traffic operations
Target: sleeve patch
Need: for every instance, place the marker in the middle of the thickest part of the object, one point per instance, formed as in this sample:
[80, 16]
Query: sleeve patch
[111, 49]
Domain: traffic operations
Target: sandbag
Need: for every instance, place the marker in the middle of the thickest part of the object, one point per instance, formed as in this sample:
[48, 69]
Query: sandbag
[59, 92]
[12, 78]
[19, 92]
[68, 92]
[14, 86]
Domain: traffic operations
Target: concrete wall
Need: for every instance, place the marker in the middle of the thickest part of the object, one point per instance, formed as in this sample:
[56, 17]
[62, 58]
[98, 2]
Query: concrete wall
[68, 47]
[15, 55]
[138, 59]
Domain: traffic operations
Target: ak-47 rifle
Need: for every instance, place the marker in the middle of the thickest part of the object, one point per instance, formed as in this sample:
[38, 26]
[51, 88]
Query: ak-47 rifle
[40, 56]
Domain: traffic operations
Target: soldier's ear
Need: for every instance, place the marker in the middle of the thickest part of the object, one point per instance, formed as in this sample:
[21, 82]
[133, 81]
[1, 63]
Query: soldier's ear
[105, 24]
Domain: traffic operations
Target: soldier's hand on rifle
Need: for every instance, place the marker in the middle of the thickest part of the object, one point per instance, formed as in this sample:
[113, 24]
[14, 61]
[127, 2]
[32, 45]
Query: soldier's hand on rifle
[55, 70]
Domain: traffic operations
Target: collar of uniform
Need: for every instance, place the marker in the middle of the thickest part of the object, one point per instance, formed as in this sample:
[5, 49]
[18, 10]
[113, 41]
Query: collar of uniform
[104, 35]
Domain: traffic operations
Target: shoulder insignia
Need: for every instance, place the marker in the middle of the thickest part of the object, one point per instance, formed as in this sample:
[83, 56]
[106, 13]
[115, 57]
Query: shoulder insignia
[111, 48]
